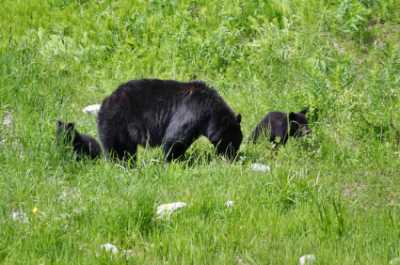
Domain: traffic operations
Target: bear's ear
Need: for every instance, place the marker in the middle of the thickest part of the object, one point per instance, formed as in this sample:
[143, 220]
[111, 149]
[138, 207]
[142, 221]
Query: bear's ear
[239, 118]
[292, 116]
[305, 110]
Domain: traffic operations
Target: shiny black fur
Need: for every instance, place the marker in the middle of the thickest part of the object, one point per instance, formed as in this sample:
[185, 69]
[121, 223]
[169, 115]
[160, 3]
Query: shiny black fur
[172, 114]
[83, 145]
[282, 125]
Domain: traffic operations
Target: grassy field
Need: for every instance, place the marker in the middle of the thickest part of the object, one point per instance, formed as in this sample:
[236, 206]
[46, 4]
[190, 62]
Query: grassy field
[335, 194]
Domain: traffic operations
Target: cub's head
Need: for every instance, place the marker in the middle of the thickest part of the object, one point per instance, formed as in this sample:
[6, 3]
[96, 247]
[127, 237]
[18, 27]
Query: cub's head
[299, 123]
[65, 132]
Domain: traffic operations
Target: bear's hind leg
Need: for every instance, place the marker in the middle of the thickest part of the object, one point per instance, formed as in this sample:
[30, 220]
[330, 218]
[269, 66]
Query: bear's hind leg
[120, 150]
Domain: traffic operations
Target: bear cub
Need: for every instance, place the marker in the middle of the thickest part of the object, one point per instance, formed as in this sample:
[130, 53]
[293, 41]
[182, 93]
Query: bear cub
[167, 113]
[83, 145]
[282, 125]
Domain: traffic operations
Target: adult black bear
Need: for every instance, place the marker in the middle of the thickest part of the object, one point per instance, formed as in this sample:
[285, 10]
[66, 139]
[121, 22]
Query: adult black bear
[169, 113]
[282, 125]
[82, 145]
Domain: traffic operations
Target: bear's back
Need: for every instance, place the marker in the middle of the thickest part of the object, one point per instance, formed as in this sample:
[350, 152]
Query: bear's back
[145, 96]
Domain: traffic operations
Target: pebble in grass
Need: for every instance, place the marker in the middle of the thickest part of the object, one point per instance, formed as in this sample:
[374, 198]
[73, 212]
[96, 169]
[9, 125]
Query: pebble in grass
[112, 249]
[69, 194]
[165, 210]
[229, 204]
[128, 253]
[7, 119]
[19, 216]
[258, 167]
[92, 109]
[108, 247]
[308, 259]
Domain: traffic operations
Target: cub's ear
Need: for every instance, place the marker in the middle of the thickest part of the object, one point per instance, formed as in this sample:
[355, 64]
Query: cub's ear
[292, 116]
[70, 125]
[305, 110]
[59, 123]
[239, 118]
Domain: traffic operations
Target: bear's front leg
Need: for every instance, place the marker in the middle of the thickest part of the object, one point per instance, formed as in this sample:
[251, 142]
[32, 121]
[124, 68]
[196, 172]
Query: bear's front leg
[174, 150]
[180, 134]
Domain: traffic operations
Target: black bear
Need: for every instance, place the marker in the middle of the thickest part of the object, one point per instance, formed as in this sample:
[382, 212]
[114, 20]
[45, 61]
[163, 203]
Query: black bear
[82, 145]
[282, 125]
[166, 113]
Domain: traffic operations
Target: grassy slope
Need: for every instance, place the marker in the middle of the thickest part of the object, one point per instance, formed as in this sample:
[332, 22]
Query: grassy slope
[336, 194]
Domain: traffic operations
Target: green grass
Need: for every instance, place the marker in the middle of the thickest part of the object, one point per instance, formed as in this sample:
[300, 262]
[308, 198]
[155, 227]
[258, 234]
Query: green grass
[335, 194]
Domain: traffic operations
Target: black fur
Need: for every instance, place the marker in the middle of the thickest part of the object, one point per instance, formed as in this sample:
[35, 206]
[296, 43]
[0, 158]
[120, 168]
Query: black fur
[275, 125]
[82, 145]
[169, 113]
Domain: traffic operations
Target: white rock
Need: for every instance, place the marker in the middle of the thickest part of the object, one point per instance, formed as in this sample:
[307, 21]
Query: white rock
[7, 119]
[258, 167]
[108, 247]
[229, 204]
[167, 209]
[395, 261]
[19, 216]
[308, 259]
[92, 109]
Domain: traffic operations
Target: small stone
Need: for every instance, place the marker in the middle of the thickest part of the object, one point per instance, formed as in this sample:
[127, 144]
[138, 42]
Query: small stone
[7, 119]
[92, 109]
[308, 259]
[19, 216]
[128, 253]
[108, 247]
[229, 204]
[395, 261]
[258, 167]
[69, 195]
[167, 209]
[240, 261]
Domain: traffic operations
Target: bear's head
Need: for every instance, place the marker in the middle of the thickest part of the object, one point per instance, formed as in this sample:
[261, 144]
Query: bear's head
[65, 132]
[298, 123]
[230, 138]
